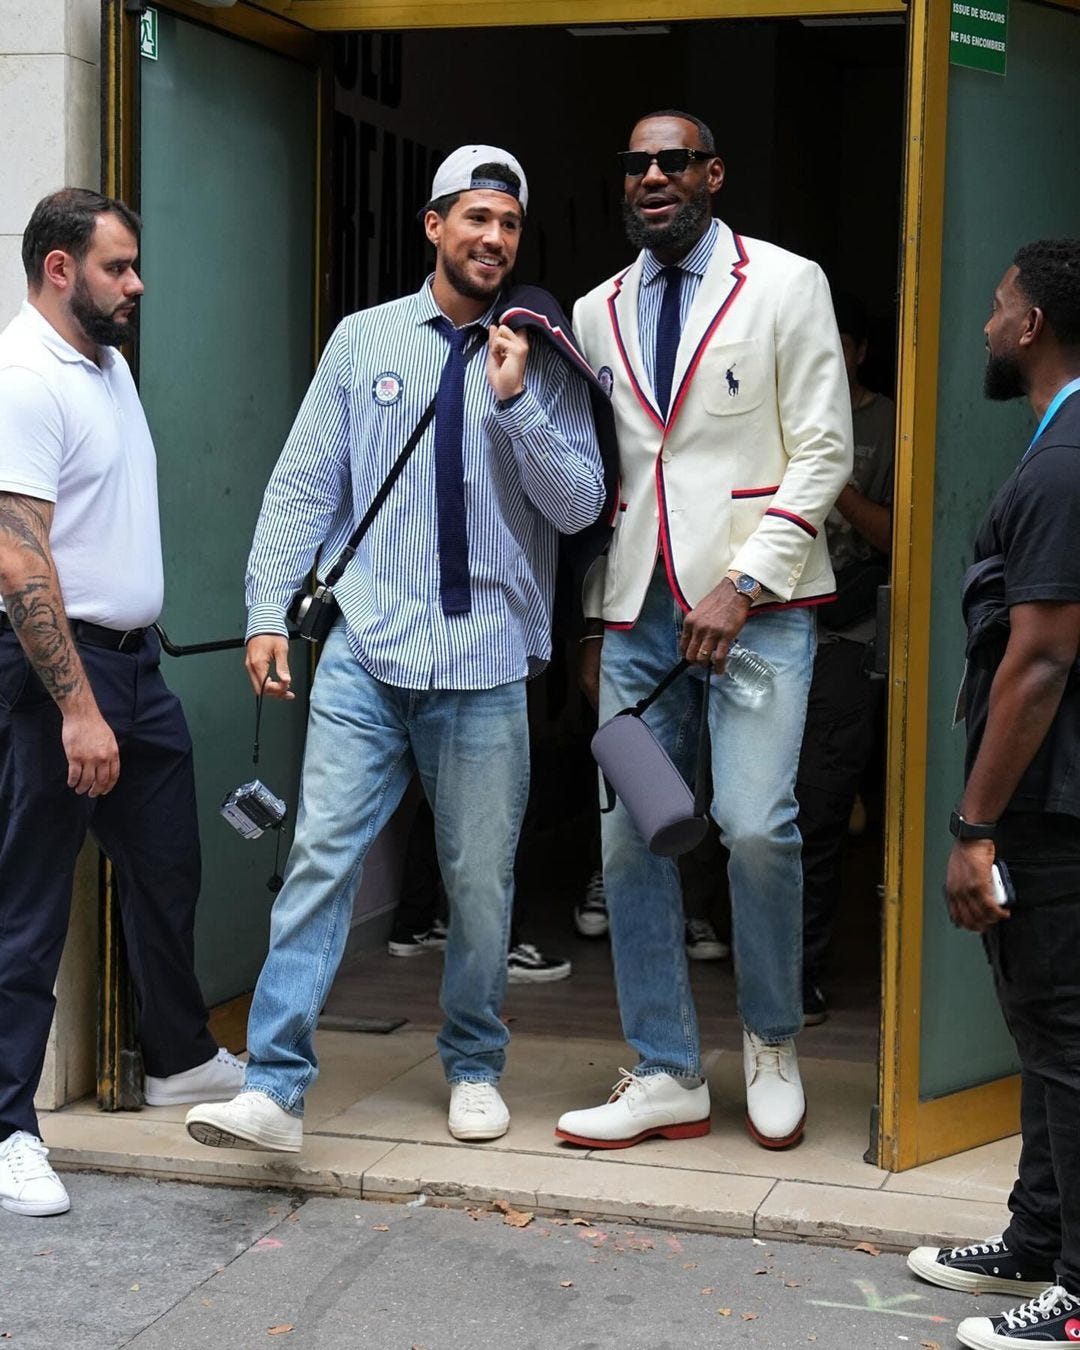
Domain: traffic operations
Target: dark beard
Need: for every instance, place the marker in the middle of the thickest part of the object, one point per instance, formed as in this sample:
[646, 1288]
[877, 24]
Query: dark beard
[677, 237]
[1004, 379]
[99, 326]
[469, 289]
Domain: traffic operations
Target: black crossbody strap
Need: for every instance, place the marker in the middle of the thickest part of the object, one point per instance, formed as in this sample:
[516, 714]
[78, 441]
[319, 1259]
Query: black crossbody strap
[335, 573]
[702, 776]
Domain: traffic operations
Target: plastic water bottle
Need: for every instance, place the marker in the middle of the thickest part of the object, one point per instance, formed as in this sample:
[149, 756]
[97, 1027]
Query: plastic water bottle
[751, 674]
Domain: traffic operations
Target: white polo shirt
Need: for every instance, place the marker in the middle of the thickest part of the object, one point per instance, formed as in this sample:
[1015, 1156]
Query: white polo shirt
[75, 434]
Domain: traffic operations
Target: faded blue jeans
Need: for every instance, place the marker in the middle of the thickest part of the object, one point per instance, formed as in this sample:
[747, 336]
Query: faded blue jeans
[364, 740]
[755, 752]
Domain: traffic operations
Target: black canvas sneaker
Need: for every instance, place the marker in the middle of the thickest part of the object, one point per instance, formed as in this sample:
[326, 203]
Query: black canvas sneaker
[404, 943]
[526, 964]
[815, 1009]
[983, 1268]
[1052, 1319]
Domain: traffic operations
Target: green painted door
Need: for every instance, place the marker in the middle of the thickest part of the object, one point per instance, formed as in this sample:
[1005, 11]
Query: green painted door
[228, 161]
[1013, 144]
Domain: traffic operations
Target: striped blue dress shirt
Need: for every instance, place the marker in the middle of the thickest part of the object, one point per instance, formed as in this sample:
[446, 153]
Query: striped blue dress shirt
[651, 294]
[531, 470]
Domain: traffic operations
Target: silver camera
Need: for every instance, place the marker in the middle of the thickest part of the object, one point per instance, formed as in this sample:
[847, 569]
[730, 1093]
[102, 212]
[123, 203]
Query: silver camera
[252, 808]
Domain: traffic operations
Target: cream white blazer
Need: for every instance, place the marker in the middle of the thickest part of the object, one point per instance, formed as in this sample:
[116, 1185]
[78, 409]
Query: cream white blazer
[757, 445]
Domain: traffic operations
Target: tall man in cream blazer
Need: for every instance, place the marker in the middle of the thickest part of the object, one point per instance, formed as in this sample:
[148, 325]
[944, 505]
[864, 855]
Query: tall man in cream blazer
[734, 426]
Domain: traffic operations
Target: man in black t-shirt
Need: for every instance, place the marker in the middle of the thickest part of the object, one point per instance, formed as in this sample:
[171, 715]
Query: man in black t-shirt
[1021, 801]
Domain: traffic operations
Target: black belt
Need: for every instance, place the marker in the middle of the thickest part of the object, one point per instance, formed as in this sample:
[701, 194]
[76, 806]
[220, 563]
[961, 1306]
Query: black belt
[94, 635]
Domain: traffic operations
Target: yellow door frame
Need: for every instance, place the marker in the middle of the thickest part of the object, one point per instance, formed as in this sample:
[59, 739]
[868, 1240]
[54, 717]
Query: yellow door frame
[910, 1131]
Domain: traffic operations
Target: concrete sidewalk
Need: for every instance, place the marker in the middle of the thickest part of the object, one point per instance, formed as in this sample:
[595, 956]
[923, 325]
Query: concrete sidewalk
[376, 1128]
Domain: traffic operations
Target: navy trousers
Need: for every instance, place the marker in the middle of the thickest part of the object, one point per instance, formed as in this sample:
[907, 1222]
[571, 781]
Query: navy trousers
[1033, 959]
[147, 826]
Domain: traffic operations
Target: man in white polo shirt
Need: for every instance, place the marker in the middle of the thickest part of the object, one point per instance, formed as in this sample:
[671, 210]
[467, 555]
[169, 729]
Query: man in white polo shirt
[90, 737]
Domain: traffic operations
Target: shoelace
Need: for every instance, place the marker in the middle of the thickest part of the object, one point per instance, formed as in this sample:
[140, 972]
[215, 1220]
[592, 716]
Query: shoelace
[990, 1247]
[594, 891]
[1054, 1300]
[625, 1083]
[700, 930]
[476, 1096]
[226, 1057]
[26, 1156]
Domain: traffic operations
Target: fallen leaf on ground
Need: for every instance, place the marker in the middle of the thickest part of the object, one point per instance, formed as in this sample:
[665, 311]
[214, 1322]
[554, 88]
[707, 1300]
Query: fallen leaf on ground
[559, 1223]
[516, 1218]
[762, 1270]
[749, 1317]
[48, 1251]
[294, 1217]
[708, 1289]
[930, 1345]
[380, 1227]
[280, 1329]
[724, 1312]
[792, 1284]
[587, 1233]
[566, 1284]
[689, 1265]
[868, 1248]
[586, 1222]
[135, 1288]
[474, 1214]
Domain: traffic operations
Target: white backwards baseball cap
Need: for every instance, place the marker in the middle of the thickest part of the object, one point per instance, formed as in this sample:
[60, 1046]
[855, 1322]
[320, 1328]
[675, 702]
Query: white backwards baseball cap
[457, 173]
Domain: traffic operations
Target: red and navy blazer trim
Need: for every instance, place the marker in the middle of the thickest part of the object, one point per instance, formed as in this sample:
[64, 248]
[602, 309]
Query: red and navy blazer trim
[795, 520]
[742, 493]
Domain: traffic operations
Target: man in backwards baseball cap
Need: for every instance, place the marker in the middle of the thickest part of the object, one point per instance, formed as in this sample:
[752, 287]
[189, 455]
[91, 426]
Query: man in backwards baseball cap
[445, 611]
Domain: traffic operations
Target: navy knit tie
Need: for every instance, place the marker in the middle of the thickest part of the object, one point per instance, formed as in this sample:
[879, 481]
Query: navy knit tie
[450, 475]
[667, 338]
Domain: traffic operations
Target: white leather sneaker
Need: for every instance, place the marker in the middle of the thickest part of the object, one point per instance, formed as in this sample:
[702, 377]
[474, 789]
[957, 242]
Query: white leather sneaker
[639, 1108]
[250, 1120]
[218, 1080]
[28, 1185]
[477, 1112]
[775, 1103]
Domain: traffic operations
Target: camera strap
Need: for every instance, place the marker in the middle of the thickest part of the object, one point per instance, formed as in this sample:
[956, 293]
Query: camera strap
[336, 572]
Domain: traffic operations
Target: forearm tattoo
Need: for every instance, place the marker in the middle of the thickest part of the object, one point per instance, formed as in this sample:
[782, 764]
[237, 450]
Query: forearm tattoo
[34, 604]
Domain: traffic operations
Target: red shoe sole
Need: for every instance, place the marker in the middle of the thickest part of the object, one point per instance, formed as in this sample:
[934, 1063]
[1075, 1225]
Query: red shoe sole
[693, 1129]
[767, 1141]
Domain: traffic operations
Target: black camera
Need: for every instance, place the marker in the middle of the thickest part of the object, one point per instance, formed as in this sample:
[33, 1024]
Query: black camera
[314, 615]
[253, 808]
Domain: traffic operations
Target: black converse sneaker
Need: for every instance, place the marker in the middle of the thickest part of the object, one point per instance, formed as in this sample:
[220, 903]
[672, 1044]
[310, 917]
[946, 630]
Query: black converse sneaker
[526, 964]
[983, 1268]
[1052, 1319]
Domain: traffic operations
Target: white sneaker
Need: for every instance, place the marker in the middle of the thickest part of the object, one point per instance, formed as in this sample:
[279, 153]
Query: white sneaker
[477, 1112]
[218, 1080]
[250, 1120]
[638, 1108]
[775, 1103]
[591, 916]
[28, 1185]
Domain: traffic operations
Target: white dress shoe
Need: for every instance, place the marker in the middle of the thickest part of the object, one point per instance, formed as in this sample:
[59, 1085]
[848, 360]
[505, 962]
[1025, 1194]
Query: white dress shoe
[775, 1104]
[250, 1120]
[218, 1080]
[28, 1185]
[477, 1112]
[639, 1108]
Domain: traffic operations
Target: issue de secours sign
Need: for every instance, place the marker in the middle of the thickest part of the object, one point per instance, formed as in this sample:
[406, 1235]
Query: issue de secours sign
[978, 34]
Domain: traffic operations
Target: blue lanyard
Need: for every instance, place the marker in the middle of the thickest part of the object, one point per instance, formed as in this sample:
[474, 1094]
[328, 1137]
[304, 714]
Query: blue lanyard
[1059, 398]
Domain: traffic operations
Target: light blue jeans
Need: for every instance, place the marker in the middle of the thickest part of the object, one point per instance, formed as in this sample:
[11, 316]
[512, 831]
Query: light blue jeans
[755, 752]
[364, 740]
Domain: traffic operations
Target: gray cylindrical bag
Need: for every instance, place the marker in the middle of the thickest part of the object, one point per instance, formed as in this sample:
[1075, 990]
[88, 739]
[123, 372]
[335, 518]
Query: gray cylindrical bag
[638, 770]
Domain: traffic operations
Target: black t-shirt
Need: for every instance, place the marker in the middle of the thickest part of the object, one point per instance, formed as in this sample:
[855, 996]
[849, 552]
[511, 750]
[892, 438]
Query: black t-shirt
[1034, 522]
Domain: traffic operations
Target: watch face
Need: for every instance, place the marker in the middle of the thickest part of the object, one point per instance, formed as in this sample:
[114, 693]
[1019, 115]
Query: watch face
[746, 584]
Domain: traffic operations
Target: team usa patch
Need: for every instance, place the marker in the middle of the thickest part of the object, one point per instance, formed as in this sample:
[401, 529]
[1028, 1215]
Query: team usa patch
[606, 379]
[387, 388]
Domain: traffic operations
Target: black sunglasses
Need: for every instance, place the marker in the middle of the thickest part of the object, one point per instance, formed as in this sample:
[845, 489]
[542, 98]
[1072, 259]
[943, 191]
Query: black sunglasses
[636, 162]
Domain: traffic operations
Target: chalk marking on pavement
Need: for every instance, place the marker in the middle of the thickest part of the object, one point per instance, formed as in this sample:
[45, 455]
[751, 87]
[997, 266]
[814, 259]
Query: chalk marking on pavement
[875, 1303]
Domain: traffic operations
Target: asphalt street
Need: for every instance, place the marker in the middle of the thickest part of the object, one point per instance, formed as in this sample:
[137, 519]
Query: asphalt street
[160, 1265]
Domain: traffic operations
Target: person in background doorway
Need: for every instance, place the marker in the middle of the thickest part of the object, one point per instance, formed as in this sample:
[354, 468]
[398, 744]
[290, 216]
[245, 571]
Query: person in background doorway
[420, 918]
[1020, 808]
[842, 712]
[91, 739]
[445, 612]
[734, 431]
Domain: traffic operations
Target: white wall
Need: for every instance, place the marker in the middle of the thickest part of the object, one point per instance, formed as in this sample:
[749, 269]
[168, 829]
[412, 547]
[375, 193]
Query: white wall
[49, 116]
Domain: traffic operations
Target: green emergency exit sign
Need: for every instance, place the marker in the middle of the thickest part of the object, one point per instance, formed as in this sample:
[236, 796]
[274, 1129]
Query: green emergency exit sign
[978, 34]
[148, 34]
